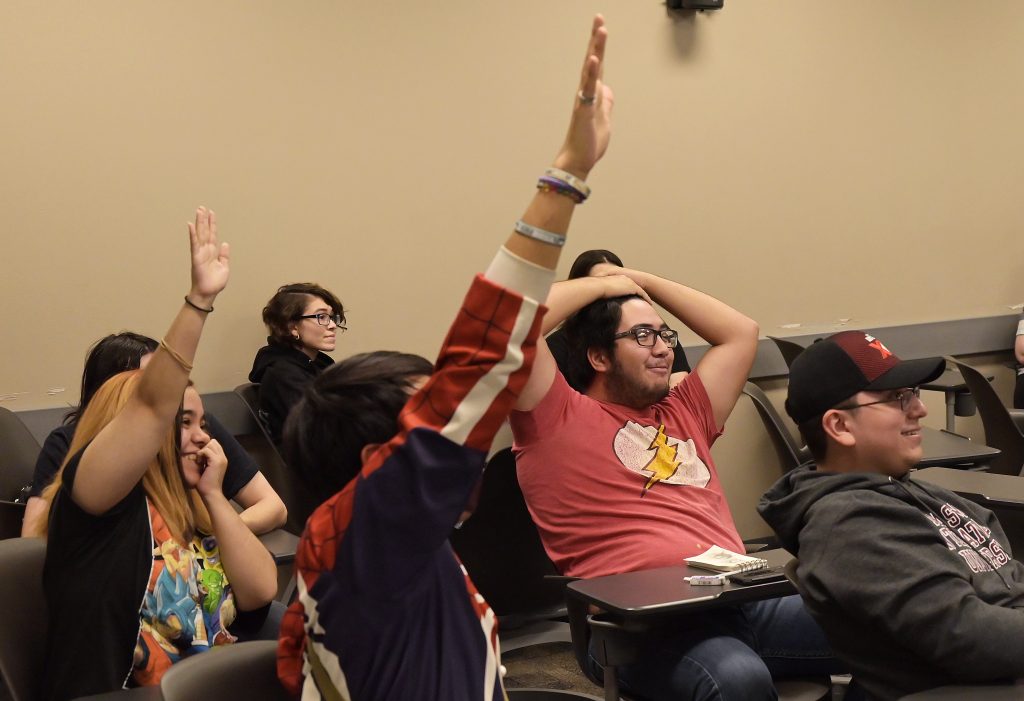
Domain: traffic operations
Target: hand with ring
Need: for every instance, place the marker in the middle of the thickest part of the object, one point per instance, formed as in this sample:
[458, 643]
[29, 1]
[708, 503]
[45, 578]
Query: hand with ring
[590, 126]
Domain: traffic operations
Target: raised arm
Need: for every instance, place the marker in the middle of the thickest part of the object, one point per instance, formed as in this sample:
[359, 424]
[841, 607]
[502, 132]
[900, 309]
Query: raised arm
[569, 296]
[585, 143]
[732, 335]
[118, 457]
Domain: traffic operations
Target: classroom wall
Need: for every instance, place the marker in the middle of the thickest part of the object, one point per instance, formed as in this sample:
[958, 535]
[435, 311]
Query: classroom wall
[809, 163]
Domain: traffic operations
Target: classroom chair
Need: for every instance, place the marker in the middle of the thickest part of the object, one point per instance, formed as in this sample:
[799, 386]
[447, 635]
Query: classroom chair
[1002, 429]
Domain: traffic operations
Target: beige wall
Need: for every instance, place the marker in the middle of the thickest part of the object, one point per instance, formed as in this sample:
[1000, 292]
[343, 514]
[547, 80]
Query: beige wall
[806, 161]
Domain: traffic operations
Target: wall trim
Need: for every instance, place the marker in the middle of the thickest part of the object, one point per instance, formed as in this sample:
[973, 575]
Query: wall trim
[991, 334]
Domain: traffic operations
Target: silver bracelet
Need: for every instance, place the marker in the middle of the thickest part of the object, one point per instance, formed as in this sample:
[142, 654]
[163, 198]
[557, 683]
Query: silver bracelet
[541, 235]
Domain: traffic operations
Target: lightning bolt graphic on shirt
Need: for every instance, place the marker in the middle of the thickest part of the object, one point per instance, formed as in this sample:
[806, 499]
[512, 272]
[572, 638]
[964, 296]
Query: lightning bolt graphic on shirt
[664, 464]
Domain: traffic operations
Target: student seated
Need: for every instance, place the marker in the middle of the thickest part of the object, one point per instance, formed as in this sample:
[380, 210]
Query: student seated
[304, 321]
[557, 342]
[915, 586]
[146, 561]
[243, 482]
[385, 611]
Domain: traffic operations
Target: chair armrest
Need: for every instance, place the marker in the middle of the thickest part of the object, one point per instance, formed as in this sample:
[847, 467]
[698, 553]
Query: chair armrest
[281, 545]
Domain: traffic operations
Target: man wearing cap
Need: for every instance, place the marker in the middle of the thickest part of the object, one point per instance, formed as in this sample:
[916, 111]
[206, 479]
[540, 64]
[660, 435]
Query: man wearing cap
[914, 586]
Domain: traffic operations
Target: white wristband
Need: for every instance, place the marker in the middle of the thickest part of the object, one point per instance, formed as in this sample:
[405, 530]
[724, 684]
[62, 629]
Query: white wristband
[532, 232]
[570, 180]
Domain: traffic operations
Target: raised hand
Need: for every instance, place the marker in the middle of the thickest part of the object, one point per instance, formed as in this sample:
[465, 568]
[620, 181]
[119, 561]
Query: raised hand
[209, 258]
[619, 285]
[590, 126]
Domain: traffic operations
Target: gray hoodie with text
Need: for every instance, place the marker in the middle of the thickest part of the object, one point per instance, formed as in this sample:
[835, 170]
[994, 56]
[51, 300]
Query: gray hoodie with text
[914, 586]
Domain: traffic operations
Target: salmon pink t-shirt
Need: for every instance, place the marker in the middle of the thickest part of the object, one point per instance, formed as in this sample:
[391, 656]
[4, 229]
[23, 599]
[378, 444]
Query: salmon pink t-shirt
[614, 489]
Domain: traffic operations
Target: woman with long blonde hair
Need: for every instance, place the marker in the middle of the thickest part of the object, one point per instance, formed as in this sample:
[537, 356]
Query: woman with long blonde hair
[147, 562]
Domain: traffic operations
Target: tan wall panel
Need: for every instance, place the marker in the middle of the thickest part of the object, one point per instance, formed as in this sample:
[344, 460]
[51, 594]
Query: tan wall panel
[804, 161]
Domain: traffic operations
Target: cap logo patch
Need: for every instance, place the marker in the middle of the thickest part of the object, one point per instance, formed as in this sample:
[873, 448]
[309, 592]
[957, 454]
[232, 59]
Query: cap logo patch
[878, 346]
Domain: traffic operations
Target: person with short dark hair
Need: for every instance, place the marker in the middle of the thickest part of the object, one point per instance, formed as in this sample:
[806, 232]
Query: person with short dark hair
[558, 342]
[385, 611]
[304, 321]
[915, 586]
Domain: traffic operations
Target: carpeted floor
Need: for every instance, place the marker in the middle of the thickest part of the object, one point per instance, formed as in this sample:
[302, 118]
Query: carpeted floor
[548, 666]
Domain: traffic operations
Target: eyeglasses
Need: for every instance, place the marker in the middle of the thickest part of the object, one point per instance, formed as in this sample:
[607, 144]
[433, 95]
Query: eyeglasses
[325, 319]
[905, 397]
[646, 336]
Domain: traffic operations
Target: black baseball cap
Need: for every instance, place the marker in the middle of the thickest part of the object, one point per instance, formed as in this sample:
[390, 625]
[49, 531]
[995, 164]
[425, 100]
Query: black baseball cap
[837, 367]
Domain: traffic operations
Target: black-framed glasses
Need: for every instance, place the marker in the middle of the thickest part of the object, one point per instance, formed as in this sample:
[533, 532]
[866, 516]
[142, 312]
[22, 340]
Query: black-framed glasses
[905, 397]
[325, 319]
[646, 336]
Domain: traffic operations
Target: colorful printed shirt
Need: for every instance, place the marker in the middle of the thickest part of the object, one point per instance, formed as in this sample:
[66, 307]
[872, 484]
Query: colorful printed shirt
[188, 605]
[123, 597]
[385, 611]
[613, 489]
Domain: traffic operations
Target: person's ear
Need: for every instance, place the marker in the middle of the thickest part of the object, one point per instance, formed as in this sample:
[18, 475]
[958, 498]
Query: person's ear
[836, 424]
[600, 359]
[367, 451]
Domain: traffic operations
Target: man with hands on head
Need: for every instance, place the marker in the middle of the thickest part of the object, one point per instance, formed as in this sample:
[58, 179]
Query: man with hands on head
[620, 477]
[385, 610]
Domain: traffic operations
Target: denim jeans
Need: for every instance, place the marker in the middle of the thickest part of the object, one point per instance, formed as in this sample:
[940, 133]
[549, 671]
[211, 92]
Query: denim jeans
[731, 654]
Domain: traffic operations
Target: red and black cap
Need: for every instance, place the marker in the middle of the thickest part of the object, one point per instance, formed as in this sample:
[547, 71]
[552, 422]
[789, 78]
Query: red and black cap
[837, 367]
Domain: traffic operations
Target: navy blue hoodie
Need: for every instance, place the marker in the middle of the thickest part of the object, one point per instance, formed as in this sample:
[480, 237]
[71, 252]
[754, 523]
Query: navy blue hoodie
[914, 586]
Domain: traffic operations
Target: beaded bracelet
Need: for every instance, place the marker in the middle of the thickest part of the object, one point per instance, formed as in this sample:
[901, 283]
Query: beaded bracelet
[548, 184]
[532, 232]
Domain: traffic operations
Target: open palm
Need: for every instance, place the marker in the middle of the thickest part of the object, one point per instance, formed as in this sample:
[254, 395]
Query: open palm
[210, 269]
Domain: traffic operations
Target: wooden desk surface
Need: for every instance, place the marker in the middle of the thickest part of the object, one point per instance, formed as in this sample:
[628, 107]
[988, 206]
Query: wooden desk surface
[944, 449]
[1000, 491]
[663, 590]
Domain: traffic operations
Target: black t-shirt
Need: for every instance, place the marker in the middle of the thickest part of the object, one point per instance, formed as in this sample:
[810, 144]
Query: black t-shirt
[94, 579]
[241, 467]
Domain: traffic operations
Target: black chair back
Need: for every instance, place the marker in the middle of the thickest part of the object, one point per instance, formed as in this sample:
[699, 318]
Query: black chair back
[794, 453]
[1000, 430]
[239, 672]
[502, 550]
[24, 616]
[18, 452]
[789, 349]
[254, 437]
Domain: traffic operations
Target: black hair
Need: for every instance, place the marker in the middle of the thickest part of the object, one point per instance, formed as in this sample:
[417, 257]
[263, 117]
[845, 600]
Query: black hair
[593, 326]
[588, 259]
[351, 404]
[107, 357]
[814, 437]
[287, 306]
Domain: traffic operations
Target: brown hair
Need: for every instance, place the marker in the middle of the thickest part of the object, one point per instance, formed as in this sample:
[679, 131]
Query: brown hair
[287, 306]
[181, 509]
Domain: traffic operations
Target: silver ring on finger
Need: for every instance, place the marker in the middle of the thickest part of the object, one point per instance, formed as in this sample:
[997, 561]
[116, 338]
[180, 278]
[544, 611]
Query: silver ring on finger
[586, 99]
